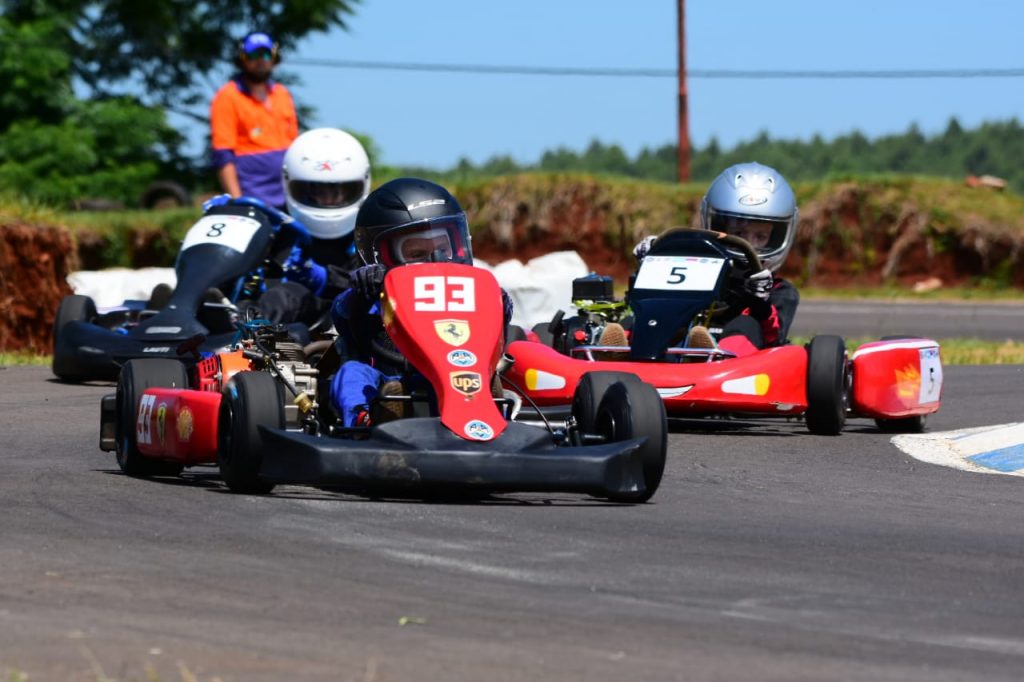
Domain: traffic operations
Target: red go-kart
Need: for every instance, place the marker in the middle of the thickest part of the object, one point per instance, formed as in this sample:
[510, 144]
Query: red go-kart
[260, 412]
[897, 381]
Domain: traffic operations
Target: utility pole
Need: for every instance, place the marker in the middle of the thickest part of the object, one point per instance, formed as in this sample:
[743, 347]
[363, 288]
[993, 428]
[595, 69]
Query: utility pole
[683, 159]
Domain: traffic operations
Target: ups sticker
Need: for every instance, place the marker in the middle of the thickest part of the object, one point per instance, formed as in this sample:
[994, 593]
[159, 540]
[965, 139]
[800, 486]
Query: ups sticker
[466, 383]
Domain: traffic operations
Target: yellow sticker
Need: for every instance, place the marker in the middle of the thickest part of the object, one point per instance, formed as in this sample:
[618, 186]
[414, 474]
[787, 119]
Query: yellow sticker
[452, 332]
[185, 424]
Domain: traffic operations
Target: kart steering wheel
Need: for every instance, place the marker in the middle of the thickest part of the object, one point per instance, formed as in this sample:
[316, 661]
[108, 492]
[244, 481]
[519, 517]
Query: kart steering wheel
[754, 264]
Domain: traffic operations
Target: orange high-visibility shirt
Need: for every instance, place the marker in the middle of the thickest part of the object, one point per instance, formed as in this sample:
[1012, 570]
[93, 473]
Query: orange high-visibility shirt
[253, 135]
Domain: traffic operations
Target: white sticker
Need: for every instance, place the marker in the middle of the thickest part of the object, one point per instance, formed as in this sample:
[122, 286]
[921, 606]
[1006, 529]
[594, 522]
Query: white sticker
[143, 434]
[233, 231]
[931, 376]
[679, 273]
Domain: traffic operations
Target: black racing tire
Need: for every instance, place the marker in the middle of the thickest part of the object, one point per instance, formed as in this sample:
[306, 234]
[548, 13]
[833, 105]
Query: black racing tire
[73, 308]
[828, 385]
[164, 194]
[590, 392]
[136, 376]
[915, 424]
[251, 400]
[543, 332]
[633, 409]
[514, 333]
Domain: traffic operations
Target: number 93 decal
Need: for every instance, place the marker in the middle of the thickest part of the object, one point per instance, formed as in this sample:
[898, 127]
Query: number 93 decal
[439, 294]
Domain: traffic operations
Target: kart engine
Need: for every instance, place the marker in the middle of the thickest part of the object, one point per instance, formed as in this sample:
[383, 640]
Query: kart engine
[594, 297]
[268, 348]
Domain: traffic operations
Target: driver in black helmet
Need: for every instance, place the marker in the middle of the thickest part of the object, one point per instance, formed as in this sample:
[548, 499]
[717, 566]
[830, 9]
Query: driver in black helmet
[403, 221]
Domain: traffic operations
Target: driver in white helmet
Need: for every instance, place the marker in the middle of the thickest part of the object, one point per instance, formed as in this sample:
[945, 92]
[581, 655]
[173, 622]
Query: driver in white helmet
[326, 178]
[755, 203]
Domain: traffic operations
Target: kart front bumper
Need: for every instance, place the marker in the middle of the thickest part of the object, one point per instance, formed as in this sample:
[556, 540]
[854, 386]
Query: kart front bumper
[423, 454]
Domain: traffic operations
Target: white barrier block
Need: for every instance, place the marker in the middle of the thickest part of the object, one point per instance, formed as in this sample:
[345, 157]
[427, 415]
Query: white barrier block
[110, 288]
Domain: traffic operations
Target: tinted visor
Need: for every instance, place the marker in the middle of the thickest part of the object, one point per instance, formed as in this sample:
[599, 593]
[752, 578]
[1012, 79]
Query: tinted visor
[764, 234]
[436, 240]
[326, 194]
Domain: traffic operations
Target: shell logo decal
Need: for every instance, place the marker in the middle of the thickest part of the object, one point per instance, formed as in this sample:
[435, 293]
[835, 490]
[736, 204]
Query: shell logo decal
[757, 384]
[908, 382]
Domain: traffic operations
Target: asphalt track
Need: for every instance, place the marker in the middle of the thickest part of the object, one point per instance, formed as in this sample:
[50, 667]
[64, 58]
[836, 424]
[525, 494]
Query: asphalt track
[768, 554]
[937, 320]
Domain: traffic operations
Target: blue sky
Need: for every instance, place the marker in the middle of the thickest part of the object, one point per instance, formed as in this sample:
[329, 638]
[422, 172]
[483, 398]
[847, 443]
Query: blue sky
[434, 119]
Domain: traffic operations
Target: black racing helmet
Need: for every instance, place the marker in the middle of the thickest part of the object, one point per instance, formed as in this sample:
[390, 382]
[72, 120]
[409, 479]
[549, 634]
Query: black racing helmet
[409, 220]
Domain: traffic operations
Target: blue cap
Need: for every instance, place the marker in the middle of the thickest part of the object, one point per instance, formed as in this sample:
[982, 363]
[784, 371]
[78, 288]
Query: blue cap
[257, 41]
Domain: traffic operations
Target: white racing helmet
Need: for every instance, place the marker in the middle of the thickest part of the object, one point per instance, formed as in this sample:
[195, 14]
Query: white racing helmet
[326, 175]
[750, 193]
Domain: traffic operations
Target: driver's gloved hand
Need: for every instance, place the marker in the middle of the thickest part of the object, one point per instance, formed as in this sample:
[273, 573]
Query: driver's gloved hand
[368, 281]
[219, 200]
[644, 245]
[305, 271]
[757, 288]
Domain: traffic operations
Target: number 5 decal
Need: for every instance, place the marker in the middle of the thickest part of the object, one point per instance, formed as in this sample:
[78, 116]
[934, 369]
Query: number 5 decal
[435, 294]
[677, 275]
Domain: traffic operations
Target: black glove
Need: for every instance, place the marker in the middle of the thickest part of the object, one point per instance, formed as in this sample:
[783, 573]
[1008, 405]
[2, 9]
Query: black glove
[757, 289]
[368, 281]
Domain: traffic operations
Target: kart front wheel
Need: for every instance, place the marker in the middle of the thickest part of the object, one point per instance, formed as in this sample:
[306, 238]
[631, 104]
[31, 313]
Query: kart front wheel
[74, 308]
[589, 394]
[633, 409]
[251, 400]
[828, 385]
[136, 376]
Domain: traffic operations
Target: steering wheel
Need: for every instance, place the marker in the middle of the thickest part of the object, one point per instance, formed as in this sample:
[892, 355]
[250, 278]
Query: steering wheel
[727, 242]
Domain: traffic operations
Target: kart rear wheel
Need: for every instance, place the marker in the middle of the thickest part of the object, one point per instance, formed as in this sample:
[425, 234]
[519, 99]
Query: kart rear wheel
[913, 424]
[514, 333]
[590, 392]
[136, 376]
[543, 332]
[251, 400]
[74, 308]
[633, 409]
[828, 385]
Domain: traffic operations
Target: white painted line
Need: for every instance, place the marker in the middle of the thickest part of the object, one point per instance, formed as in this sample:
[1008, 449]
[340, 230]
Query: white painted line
[995, 449]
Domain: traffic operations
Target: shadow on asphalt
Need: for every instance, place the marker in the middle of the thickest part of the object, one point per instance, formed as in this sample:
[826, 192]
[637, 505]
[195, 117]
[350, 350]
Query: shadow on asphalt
[211, 482]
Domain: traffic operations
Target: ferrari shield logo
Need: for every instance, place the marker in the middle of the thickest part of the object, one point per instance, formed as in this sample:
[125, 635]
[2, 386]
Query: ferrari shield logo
[452, 332]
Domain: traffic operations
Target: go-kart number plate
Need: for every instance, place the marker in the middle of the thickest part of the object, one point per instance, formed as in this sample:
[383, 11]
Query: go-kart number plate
[679, 273]
[233, 231]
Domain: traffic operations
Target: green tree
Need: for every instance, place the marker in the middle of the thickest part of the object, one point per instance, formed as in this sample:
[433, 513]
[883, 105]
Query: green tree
[130, 61]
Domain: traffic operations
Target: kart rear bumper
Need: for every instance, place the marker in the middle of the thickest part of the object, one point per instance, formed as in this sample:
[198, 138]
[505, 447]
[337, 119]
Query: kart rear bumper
[421, 453]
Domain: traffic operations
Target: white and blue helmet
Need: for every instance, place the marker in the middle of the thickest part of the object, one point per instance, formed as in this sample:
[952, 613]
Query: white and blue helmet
[753, 192]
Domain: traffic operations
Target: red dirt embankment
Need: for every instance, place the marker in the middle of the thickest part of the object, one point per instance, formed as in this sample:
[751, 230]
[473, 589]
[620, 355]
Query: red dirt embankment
[34, 262]
[850, 234]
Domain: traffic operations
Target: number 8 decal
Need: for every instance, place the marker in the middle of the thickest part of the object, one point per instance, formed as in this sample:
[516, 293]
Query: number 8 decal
[434, 294]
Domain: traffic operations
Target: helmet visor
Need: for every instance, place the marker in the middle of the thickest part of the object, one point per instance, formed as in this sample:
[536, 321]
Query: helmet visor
[436, 240]
[326, 194]
[764, 234]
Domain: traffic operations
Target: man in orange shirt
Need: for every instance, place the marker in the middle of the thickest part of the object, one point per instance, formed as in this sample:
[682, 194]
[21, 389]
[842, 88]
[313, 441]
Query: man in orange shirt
[253, 121]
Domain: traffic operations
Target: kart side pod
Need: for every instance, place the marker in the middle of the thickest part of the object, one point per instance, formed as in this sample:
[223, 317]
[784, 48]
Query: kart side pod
[897, 378]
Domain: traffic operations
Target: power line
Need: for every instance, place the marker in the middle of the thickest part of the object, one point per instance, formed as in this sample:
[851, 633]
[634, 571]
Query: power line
[662, 73]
